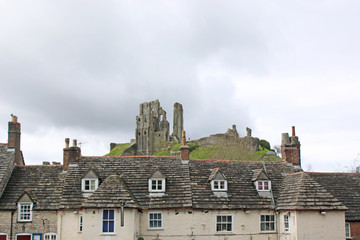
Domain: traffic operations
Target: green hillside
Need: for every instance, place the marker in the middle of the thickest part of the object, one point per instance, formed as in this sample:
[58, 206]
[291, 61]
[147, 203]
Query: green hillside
[228, 152]
[118, 150]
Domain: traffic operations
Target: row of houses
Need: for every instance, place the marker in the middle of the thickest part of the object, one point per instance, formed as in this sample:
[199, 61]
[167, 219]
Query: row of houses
[150, 197]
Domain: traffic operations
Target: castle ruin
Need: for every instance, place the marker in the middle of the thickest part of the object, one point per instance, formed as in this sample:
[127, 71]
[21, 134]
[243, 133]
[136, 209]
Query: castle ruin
[152, 127]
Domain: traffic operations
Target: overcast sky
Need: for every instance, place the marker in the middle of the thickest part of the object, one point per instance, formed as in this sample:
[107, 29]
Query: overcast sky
[80, 69]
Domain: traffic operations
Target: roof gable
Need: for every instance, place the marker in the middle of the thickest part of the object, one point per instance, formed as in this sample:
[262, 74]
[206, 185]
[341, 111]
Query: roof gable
[157, 174]
[259, 174]
[27, 197]
[113, 192]
[90, 173]
[216, 174]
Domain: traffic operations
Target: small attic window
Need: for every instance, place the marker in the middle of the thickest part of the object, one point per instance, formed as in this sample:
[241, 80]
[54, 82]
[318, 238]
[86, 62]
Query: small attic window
[261, 180]
[157, 185]
[219, 185]
[90, 184]
[263, 185]
[217, 180]
[25, 211]
[157, 182]
[25, 207]
[90, 181]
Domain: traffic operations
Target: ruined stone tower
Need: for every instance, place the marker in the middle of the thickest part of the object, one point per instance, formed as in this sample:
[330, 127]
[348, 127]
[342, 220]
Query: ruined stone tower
[178, 122]
[152, 128]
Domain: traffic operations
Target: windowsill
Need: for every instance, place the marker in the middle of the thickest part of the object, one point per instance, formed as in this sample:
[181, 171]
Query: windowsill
[107, 234]
[224, 233]
[24, 221]
[155, 229]
[156, 194]
[266, 232]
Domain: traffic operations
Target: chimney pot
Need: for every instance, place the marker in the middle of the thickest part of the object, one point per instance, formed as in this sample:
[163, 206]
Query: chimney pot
[74, 143]
[13, 118]
[183, 138]
[67, 142]
[293, 131]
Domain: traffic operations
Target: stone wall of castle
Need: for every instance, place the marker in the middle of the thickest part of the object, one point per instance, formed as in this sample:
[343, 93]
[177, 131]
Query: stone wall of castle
[153, 129]
[231, 137]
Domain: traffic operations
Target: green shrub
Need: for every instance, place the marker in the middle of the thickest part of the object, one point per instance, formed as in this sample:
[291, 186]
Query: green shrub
[264, 144]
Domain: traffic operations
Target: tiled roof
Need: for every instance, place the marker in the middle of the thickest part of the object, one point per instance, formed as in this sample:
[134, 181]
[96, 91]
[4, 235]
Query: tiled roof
[44, 183]
[125, 179]
[111, 193]
[6, 165]
[241, 192]
[135, 172]
[187, 185]
[301, 192]
[345, 187]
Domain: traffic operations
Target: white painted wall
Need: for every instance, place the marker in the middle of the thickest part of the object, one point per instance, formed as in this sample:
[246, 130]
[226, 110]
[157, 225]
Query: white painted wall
[92, 225]
[201, 225]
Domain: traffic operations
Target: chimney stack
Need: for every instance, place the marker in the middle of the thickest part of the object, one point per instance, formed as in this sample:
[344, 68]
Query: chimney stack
[14, 133]
[184, 149]
[290, 148]
[71, 154]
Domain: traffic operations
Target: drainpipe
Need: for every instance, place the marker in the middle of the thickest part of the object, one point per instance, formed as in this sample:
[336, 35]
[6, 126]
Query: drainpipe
[122, 213]
[11, 224]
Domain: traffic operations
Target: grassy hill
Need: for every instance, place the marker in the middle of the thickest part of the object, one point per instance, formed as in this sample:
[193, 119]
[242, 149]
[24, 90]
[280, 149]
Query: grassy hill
[228, 152]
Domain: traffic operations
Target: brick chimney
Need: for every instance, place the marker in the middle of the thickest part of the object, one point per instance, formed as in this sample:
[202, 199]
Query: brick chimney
[184, 149]
[71, 154]
[290, 148]
[14, 133]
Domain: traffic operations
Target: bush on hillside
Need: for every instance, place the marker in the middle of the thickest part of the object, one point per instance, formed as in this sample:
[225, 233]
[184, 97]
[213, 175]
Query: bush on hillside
[264, 144]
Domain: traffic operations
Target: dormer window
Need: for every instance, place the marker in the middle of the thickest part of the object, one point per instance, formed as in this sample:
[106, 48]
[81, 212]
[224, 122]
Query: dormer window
[90, 181]
[25, 206]
[219, 185]
[262, 182]
[263, 185]
[89, 185]
[25, 212]
[218, 180]
[157, 183]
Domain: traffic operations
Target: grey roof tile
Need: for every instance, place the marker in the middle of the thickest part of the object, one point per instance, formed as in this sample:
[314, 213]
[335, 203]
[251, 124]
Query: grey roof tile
[301, 192]
[345, 187]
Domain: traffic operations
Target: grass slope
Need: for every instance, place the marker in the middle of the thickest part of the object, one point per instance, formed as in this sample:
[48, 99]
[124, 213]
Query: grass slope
[118, 150]
[228, 152]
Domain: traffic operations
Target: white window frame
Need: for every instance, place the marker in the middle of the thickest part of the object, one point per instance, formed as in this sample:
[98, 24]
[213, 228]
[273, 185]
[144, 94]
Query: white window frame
[107, 220]
[21, 212]
[83, 184]
[157, 220]
[347, 230]
[23, 234]
[273, 222]
[81, 223]
[217, 186]
[157, 180]
[4, 234]
[225, 222]
[50, 236]
[286, 222]
[261, 183]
